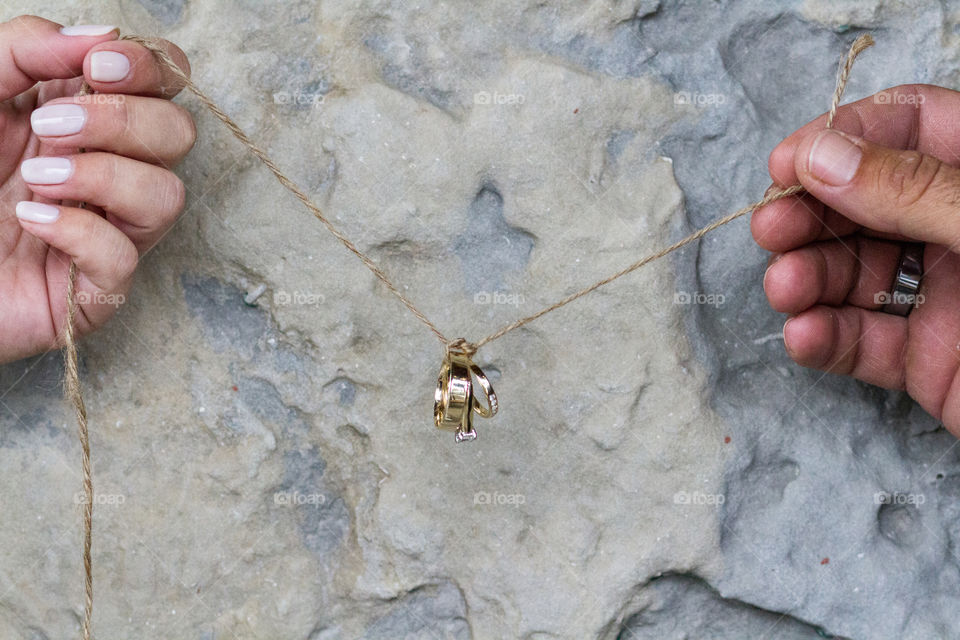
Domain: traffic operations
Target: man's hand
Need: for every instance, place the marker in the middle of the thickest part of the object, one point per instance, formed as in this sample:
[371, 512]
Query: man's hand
[890, 177]
[132, 135]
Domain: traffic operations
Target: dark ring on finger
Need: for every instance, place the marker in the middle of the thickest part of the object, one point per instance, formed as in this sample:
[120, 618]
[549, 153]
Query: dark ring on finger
[905, 290]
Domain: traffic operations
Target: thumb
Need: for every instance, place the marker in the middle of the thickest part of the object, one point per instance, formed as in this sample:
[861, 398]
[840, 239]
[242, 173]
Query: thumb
[33, 49]
[903, 192]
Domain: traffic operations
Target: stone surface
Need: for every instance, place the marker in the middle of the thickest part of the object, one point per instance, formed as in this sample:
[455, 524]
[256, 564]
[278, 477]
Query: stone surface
[659, 468]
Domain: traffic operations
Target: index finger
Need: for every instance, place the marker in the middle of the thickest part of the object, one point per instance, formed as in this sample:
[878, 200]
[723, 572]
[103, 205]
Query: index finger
[124, 66]
[915, 117]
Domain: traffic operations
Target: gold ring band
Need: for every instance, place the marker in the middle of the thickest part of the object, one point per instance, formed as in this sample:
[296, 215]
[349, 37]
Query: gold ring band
[492, 404]
[455, 400]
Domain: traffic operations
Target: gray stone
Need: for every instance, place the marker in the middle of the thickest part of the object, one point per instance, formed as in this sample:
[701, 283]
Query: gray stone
[489, 249]
[167, 12]
[429, 611]
[657, 470]
[685, 607]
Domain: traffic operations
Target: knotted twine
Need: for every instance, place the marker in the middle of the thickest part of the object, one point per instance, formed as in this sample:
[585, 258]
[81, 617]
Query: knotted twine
[460, 345]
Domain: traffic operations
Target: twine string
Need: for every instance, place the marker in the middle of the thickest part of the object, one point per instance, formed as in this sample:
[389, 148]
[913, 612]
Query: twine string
[281, 177]
[458, 345]
[861, 43]
[75, 394]
[72, 379]
[843, 73]
[773, 196]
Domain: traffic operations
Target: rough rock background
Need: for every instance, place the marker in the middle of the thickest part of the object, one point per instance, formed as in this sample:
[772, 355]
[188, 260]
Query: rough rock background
[658, 470]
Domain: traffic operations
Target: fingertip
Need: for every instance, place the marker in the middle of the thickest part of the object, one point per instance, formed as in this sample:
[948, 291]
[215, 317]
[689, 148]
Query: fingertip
[780, 163]
[828, 160]
[786, 223]
[97, 31]
[79, 40]
[75, 41]
[792, 282]
[758, 226]
[777, 285]
[765, 225]
[108, 66]
[32, 213]
[808, 337]
[127, 66]
[180, 57]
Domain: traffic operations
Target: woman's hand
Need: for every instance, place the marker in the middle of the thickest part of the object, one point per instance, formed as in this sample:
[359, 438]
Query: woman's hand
[132, 135]
[891, 177]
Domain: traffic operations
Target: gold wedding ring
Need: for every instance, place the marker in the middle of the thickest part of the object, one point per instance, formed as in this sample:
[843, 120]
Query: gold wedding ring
[455, 397]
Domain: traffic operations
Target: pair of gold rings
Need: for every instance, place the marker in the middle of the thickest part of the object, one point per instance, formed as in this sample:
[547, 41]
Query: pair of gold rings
[456, 398]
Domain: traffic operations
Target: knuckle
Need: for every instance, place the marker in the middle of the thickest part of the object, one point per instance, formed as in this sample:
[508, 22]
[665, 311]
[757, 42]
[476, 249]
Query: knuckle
[180, 57]
[125, 260]
[27, 21]
[120, 256]
[173, 197]
[100, 173]
[19, 27]
[187, 129]
[111, 116]
[124, 118]
[909, 177]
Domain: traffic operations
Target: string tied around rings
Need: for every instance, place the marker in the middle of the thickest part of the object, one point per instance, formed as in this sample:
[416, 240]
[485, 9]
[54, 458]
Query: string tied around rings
[463, 390]
[460, 346]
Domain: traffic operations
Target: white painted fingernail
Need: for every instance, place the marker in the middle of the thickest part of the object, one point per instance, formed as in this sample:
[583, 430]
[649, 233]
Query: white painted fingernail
[37, 212]
[87, 30]
[46, 170]
[58, 119]
[108, 66]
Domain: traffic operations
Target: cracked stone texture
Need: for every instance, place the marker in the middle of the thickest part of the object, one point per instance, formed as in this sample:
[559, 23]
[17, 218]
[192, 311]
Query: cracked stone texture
[658, 470]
